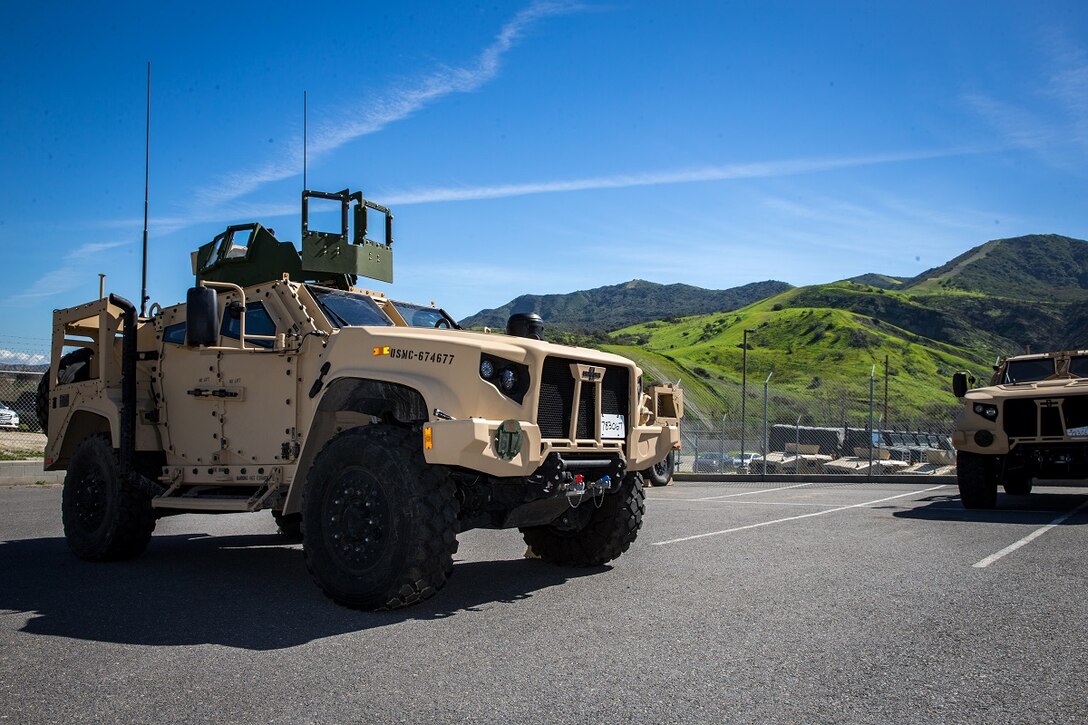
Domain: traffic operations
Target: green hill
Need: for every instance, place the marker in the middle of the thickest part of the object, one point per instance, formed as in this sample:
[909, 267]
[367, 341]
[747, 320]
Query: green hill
[824, 342]
[1031, 267]
[822, 356]
[881, 281]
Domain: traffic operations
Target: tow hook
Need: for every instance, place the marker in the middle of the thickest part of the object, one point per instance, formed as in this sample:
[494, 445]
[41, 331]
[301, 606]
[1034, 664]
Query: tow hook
[579, 486]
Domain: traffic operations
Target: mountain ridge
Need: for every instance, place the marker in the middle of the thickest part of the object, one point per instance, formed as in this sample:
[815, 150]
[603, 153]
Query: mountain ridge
[823, 341]
[998, 297]
[615, 306]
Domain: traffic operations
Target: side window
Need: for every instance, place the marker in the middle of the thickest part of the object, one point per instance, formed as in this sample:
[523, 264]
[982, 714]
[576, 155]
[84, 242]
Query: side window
[258, 322]
[174, 333]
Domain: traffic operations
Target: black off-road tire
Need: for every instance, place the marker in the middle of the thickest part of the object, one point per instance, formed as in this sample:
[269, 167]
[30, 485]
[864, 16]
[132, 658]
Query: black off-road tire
[977, 476]
[104, 517]
[379, 523]
[289, 525]
[591, 536]
[659, 474]
[1017, 485]
[41, 401]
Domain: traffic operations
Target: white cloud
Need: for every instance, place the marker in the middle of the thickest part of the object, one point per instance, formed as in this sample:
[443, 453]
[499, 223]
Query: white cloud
[65, 276]
[1017, 126]
[378, 112]
[1052, 118]
[755, 170]
[92, 249]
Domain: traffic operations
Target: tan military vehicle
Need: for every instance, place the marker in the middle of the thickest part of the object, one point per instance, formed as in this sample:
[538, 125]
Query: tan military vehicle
[1030, 423]
[666, 403]
[374, 429]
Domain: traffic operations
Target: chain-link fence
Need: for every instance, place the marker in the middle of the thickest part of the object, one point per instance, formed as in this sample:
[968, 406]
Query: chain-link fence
[21, 369]
[850, 427]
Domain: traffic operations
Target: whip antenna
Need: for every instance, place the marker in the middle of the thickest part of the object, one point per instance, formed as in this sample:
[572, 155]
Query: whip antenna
[147, 175]
[304, 118]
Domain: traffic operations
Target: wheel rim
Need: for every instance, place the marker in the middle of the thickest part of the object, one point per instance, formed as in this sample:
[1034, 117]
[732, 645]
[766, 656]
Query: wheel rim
[89, 500]
[357, 521]
[574, 520]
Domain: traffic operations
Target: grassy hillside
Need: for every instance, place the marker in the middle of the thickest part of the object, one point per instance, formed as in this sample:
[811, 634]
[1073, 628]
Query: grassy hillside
[1018, 268]
[815, 353]
[979, 323]
[881, 281]
[823, 342]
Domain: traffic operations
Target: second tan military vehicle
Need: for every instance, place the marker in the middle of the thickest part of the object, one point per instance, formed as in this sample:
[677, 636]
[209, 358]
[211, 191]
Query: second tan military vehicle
[1030, 422]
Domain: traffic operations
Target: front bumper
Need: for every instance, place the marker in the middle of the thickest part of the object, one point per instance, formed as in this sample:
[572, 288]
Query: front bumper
[474, 444]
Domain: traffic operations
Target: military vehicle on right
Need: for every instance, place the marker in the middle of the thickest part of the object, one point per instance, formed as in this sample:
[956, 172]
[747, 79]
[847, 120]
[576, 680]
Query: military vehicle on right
[1030, 423]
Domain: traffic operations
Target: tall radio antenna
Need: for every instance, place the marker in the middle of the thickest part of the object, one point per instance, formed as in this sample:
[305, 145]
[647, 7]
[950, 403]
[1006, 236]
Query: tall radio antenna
[147, 176]
[304, 140]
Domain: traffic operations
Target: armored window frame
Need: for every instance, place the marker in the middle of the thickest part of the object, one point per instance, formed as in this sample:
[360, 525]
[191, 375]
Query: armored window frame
[259, 324]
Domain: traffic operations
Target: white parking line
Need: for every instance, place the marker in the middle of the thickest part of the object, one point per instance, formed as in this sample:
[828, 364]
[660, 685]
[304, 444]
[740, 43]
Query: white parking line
[749, 493]
[795, 518]
[983, 563]
[753, 503]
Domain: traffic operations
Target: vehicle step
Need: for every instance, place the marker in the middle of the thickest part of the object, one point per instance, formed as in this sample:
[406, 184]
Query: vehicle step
[203, 504]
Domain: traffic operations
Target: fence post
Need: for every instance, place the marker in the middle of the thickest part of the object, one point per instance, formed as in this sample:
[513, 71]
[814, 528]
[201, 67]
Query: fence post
[721, 465]
[764, 445]
[872, 433]
[744, 391]
[797, 446]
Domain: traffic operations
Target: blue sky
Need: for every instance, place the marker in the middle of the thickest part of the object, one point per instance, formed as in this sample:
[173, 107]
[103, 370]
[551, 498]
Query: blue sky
[538, 147]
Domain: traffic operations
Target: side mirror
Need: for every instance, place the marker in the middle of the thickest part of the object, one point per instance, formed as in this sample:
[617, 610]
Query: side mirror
[959, 384]
[201, 317]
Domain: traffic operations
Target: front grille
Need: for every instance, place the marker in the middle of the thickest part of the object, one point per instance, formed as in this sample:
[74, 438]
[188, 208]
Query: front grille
[1075, 411]
[587, 409]
[1048, 417]
[556, 403]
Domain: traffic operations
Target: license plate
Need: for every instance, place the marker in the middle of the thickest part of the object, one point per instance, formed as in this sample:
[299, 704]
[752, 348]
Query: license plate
[612, 426]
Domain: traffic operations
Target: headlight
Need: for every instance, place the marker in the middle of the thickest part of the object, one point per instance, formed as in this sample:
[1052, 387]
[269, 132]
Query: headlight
[511, 378]
[487, 369]
[987, 411]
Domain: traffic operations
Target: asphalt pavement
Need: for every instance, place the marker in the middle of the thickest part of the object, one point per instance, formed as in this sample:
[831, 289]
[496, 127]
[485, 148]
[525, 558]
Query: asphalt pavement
[740, 602]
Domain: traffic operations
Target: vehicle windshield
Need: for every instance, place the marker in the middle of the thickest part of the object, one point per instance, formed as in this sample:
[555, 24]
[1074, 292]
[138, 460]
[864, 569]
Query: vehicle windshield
[1028, 371]
[420, 316]
[348, 309]
[1079, 366]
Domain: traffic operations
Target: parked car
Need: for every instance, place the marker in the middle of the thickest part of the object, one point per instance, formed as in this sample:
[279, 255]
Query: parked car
[710, 463]
[743, 462]
[8, 417]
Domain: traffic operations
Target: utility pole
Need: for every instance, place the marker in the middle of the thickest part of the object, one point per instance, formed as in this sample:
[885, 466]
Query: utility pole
[885, 416]
[872, 433]
[743, 391]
